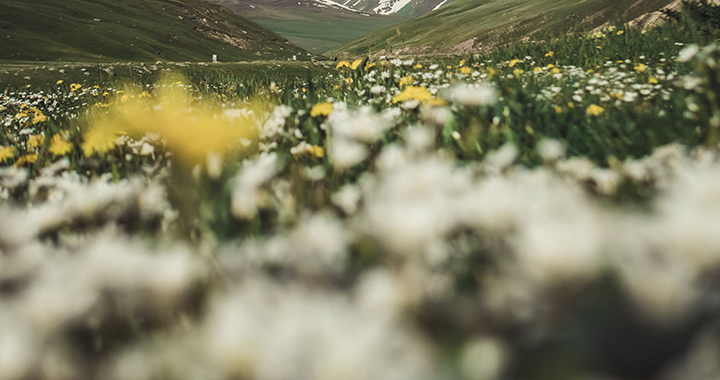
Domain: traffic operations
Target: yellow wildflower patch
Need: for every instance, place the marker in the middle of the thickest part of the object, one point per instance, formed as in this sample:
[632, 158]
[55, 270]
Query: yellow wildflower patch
[317, 151]
[594, 110]
[99, 140]
[323, 109]
[35, 141]
[27, 159]
[6, 152]
[39, 118]
[59, 146]
[406, 80]
[190, 127]
[413, 93]
[342, 64]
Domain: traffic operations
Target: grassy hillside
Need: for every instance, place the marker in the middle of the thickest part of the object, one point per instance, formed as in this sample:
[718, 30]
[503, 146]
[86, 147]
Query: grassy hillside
[315, 28]
[467, 25]
[137, 30]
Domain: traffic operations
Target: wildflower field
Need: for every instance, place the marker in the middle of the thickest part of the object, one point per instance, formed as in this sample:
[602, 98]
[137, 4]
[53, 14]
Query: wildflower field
[548, 210]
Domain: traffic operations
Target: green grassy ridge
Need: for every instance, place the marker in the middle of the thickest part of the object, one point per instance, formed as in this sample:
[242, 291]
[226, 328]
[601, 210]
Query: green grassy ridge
[133, 30]
[494, 22]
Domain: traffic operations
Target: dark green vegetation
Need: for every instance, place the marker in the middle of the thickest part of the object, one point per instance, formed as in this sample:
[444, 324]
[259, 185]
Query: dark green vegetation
[317, 29]
[468, 25]
[133, 30]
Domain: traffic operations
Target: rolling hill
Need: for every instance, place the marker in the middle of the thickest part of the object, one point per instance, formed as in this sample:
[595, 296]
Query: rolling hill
[471, 25]
[134, 30]
[315, 25]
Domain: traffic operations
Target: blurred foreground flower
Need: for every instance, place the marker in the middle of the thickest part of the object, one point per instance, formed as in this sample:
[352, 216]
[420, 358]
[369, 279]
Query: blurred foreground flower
[191, 128]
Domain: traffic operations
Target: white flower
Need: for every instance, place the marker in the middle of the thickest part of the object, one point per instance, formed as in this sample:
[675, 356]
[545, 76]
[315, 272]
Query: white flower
[688, 53]
[344, 154]
[474, 95]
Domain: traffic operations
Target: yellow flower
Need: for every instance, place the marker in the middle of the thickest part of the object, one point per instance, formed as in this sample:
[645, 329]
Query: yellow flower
[6, 152]
[598, 47]
[514, 62]
[594, 110]
[99, 140]
[26, 159]
[571, 104]
[413, 93]
[555, 70]
[418, 66]
[549, 54]
[342, 64]
[317, 151]
[620, 32]
[466, 70]
[59, 146]
[461, 63]
[75, 87]
[356, 63]
[652, 80]
[60, 81]
[537, 69]
[323, 109]
[517, 72]
[558, 109]
[406, 80]
[39, 118]
[35, 141]
[370, 66]
[190, 127]
[640, 67]
[349, 81]
[490, 72]
[550, 66]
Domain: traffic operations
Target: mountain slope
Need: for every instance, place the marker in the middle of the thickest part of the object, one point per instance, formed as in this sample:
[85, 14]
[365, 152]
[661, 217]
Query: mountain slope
[411, 8]
[469, 25]
[316, 25]
[137, 30]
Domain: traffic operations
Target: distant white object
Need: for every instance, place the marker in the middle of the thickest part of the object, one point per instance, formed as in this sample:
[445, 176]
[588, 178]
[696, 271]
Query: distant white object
[214, 58]
[294, 58]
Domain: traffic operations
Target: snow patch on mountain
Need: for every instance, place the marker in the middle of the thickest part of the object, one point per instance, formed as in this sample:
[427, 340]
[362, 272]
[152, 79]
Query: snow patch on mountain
[333, 4]
[387, 7]
[440, 5]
